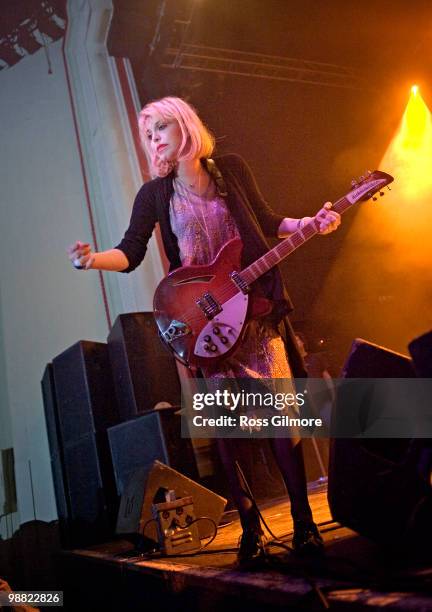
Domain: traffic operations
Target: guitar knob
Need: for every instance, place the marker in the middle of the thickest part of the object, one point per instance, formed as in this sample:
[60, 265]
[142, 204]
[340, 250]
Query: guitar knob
[223, 339]
[206, 347]
[216, 330]
[213, 348]
[207, 338]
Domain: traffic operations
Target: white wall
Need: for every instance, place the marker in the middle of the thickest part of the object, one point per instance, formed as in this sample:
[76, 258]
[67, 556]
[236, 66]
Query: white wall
[112, 170]
[45, 305]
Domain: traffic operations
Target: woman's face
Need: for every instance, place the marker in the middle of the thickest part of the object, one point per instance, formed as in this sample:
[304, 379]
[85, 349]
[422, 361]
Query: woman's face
[164, 136]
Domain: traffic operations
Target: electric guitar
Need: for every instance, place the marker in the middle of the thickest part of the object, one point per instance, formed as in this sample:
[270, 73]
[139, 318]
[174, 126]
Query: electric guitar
[201, 311]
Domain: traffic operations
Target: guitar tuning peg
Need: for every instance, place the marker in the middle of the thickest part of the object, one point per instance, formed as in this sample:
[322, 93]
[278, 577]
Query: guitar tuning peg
[369, 173]
[381, 193]
[361, 179]
[354, 183]
[388, 187]
[374, 198]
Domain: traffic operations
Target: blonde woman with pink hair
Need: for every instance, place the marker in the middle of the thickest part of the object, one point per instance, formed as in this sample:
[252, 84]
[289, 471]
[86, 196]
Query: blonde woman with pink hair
[201, 203]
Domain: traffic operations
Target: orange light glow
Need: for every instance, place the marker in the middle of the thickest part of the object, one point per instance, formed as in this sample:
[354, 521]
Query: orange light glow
[410, 152]
[387, 252]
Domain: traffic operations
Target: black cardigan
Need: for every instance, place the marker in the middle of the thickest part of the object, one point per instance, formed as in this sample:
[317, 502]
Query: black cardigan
[254, 219]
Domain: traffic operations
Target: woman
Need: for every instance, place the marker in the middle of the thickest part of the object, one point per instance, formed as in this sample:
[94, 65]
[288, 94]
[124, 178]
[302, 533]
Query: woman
[200, 204]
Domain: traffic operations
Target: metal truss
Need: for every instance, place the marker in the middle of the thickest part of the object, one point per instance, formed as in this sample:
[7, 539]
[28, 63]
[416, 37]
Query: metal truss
[272, 67]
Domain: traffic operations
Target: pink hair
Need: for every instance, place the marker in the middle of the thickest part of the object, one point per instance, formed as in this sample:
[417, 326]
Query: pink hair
[197, 141]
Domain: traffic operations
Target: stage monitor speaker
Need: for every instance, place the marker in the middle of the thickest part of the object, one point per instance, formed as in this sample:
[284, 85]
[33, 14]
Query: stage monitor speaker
[55, 445]
[358, 408]
[368, 360]
[144, 371]
[421, 352]
[141, 441]
[374, 485]
[385, 500]
[77, 421]
[145, 485]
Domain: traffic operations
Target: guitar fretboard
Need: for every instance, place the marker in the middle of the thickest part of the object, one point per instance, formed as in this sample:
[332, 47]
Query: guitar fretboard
[288, 245]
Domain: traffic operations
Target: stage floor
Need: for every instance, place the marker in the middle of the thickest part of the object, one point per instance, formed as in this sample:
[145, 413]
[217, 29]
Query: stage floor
[354, 573]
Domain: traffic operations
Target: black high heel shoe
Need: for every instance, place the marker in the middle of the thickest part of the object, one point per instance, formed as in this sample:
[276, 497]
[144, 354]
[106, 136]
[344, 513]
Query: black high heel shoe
[307, 539]
[251, 553]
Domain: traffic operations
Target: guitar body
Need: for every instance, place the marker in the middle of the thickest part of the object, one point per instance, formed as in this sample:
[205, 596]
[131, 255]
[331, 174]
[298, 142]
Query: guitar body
[201, 313]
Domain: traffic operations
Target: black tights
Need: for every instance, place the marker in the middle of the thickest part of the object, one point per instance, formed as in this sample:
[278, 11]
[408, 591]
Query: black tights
[289, 457]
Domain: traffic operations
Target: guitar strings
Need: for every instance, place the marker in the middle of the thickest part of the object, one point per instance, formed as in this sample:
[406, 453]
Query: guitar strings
[225, 292]
[228, 290]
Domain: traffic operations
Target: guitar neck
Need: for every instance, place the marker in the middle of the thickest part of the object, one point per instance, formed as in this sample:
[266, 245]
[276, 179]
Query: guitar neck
[287, 246]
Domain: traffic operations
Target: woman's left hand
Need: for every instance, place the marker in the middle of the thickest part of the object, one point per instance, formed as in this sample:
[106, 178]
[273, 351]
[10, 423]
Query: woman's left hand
[328, 219]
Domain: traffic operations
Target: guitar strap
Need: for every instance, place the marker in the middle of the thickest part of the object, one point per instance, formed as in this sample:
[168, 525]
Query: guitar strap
[215, 173]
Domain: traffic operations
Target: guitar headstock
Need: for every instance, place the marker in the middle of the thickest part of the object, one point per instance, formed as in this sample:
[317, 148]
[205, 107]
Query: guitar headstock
[367, 186]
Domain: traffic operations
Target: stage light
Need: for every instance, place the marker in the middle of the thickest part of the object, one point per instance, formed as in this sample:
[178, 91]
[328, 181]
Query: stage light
[46, 23]
[410, 152]
[50, 20]
[58, 7]
[27, 36]
[416, 128]
[387, 251]
[8, 53]
[50, 27]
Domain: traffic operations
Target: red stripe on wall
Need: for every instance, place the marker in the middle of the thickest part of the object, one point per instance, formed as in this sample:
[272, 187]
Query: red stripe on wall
[85, 182]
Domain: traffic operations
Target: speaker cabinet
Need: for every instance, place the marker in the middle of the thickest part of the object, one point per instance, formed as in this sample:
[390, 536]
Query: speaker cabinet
[55, 444]
[79, 406]
[153, 436]
[144, 371]
[374, 484]
[369, 360]
[421, 352]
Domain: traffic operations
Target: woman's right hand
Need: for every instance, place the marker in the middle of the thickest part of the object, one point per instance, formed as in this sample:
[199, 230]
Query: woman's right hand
[81, 255]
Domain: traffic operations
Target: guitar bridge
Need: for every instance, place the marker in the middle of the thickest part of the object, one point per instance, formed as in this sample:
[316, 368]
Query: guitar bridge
[176, 329]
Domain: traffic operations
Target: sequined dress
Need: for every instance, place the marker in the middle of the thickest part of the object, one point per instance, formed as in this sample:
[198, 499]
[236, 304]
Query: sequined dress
[202, 225]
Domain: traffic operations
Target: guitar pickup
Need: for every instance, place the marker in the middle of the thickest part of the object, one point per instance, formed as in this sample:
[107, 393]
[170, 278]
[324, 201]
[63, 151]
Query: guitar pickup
[209, 305]
[239, 282]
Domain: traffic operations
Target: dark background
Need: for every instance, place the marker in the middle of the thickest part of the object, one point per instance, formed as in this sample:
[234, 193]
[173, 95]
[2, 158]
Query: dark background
[304, 141]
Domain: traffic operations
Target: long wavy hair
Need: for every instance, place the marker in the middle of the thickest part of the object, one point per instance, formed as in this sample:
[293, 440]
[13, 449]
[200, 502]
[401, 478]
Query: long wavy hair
[197, 140]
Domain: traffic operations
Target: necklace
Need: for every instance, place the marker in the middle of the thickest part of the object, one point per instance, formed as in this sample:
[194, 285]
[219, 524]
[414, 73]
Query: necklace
[195, 187]
[193, 199]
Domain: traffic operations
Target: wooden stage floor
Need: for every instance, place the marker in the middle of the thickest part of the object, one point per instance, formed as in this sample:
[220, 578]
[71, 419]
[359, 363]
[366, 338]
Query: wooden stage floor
[353, 574]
